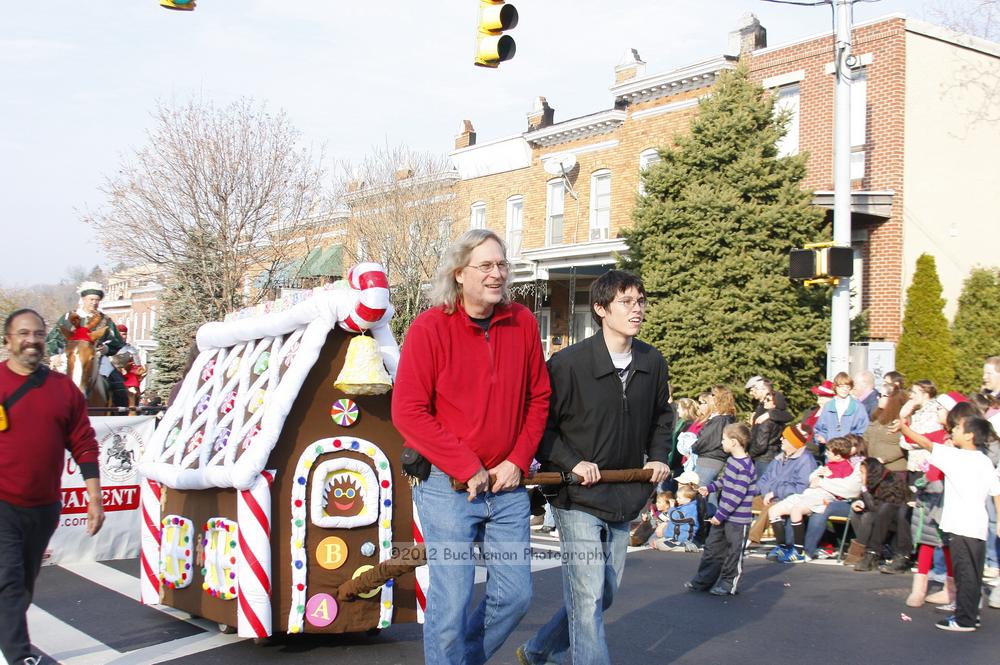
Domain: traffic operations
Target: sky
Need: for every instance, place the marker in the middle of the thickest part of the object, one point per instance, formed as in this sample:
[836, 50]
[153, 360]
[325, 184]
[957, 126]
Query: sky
[79, 80]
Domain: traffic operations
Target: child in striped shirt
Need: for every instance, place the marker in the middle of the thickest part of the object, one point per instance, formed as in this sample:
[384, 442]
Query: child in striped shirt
[722, 560]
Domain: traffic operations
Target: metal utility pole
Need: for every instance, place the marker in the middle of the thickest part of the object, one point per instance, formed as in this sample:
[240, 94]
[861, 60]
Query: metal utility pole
[840, 323]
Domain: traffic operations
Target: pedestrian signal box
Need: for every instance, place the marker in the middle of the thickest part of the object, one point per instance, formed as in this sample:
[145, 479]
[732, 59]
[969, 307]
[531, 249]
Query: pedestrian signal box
[492, 45]
[821, 262]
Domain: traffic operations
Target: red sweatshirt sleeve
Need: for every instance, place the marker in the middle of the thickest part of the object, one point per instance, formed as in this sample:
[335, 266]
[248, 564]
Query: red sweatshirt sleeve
[536, 405]
[412, 408]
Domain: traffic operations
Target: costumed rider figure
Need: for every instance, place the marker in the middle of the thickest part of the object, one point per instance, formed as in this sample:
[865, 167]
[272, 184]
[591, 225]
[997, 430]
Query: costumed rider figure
[91, 294]
[126, 362]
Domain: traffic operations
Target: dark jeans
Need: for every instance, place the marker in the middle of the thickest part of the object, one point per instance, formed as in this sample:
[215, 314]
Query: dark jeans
[872, 528]
[116, 386]
[24, 534]
[968, 555]
[722, 559]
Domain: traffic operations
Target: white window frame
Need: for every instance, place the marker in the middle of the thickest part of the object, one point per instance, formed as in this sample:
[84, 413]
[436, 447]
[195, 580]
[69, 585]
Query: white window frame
[647, 158]
[600, 205]
[555, 207]
[477, 215]
[788, 97]
[859, 121]
[544, 316]
[515, 225]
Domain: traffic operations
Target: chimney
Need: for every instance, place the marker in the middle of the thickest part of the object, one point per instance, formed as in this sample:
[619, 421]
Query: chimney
[629, 67]
[748, 36]
[541, 114]
[466, 136]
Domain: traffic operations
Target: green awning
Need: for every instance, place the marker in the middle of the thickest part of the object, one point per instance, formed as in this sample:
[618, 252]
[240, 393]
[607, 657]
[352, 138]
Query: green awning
[323, 262]
[282, 274]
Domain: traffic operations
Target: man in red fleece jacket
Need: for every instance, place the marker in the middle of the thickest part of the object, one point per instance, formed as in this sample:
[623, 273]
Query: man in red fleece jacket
[472, 395]
[35, 432]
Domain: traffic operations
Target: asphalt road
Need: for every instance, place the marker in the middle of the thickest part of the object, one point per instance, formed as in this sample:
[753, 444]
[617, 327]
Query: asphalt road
[805, 613]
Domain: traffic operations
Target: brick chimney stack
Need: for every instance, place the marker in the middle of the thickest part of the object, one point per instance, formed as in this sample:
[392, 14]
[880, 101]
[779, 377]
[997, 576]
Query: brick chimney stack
[541, 114]
[630, 66]
[748, 36]
[466, 136]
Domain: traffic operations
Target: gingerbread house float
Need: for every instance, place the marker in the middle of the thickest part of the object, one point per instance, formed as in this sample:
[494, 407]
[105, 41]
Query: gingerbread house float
[266, 486]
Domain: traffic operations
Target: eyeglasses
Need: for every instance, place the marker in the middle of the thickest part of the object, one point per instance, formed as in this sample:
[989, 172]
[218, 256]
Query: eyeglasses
[486, 267]
[629, 303]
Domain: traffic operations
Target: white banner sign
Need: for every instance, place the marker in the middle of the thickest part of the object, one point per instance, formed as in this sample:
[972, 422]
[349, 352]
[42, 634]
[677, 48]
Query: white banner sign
[122, 440]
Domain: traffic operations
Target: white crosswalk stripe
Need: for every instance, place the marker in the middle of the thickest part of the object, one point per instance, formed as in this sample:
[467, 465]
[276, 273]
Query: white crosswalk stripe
[71, 646]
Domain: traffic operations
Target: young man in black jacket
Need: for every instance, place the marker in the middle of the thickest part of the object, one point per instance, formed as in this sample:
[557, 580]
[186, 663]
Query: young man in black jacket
[609, 410]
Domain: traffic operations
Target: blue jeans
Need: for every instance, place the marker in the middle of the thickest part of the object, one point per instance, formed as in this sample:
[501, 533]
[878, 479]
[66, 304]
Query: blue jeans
[708, 470]
[452, 525]
[816, 526]
[593, 554]
[992, 542]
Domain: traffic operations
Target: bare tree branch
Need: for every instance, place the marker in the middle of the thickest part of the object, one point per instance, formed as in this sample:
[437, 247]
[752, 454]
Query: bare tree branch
[215, 194]
[402, 211]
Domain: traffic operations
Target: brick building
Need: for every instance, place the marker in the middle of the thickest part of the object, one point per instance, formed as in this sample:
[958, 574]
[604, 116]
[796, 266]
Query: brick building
[924, 168]
[132, 298]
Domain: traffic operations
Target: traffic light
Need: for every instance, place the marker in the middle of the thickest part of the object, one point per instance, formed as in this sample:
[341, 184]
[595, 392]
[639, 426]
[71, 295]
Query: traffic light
[821, 263]
[492, 46]
[180, 5]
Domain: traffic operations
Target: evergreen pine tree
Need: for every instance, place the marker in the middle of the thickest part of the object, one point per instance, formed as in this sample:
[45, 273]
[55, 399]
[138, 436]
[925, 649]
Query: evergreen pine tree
[925, 350]
[176, 326]
[976, 329]
[711, 241]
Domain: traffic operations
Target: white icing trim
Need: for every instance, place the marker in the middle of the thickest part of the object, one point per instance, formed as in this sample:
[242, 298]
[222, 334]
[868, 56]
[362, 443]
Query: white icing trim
[300, 558]
[176, 550]
[318, 494]
[184, 462]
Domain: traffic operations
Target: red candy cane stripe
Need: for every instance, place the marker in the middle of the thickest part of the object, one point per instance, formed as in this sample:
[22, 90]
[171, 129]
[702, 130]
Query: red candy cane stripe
[253, 510]
[373, 300]
[150, 540]
[255, 623]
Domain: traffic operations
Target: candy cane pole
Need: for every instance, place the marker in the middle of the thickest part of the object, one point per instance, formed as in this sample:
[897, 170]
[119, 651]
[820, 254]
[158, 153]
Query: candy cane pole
[149, 556]
[422, 573]
[370, 280]
[253, 514]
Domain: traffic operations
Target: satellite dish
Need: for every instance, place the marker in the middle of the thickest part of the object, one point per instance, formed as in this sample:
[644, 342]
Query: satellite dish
[559, 164]
[567, 163]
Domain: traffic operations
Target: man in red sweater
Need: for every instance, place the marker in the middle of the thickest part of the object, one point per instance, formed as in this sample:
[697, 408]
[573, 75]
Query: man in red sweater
[472, 395]
[35, 432]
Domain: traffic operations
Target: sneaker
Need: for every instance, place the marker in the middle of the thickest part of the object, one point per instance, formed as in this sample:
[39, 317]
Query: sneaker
[547, 529]
[994, 600]
[793, 556]
[691, 586]
[947, 609]
[537, 520]
[822, 554]
[691, 546]
[777, 553]
[721, 590]
[952, 625]
[991, 572]
[522, 657]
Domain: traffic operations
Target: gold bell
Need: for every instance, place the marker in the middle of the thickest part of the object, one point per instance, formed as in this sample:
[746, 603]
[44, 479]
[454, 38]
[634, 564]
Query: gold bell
[363, 373]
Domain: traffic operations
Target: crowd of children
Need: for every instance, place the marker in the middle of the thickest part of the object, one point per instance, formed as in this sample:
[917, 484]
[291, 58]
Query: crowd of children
[915, 471]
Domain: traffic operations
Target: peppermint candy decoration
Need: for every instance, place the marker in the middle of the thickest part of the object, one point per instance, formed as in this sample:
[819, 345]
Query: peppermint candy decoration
[208, 371]
[344, 412]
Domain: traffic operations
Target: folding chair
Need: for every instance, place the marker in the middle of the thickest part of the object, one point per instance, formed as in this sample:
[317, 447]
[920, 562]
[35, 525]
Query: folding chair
[836, 519]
